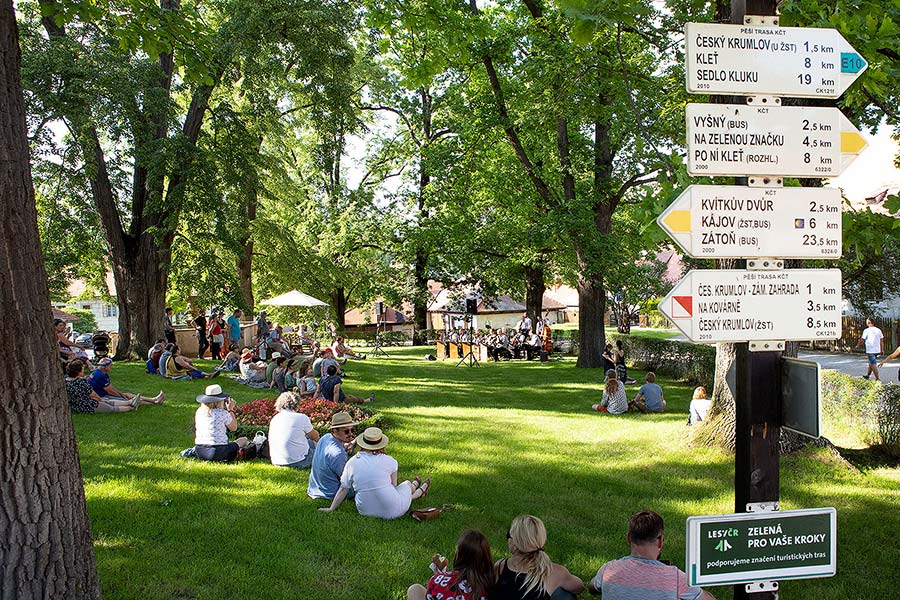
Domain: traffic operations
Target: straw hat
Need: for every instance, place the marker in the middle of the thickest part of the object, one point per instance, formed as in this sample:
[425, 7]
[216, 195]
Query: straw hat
[372, 439]
[342, 419]
[213, 393]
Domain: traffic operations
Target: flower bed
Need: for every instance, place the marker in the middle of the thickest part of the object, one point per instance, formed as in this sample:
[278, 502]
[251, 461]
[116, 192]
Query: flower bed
[256, 415]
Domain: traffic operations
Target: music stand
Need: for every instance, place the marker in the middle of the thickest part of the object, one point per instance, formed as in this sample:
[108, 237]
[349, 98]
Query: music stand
[378, 350]
[469, 358]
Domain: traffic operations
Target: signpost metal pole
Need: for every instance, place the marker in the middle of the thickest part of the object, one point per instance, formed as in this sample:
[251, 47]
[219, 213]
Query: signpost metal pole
[757, 414]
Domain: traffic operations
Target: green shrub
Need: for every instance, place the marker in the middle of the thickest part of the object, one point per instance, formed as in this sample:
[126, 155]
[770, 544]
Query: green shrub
[889, 419]
[86, 322]
[859, 412]
[693, 363]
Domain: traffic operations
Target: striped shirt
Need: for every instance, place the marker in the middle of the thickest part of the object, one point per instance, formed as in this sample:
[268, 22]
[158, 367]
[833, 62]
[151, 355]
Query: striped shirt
[618, 402]
[636, 578]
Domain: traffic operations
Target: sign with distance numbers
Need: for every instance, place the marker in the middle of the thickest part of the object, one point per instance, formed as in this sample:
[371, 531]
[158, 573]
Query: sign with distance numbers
[730, 221]
[734, 305]
[786, 141]
[761, 546]
[800, 62]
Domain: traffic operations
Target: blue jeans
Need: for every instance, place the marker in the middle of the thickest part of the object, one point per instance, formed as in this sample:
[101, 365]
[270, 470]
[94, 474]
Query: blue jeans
[307, 460]
[561, 594]
[873, 358]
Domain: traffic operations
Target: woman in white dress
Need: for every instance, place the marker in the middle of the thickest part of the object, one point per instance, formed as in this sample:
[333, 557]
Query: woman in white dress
[372, 475]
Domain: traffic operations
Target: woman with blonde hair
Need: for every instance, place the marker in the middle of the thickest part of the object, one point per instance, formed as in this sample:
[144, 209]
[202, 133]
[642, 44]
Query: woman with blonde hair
[212, 422]
[699, 406]
[529, 574]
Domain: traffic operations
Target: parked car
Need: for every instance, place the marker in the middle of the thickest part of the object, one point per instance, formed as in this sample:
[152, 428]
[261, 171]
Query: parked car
[83, 339]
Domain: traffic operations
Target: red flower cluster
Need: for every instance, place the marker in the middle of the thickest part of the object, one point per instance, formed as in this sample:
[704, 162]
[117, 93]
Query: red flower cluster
[260, 412]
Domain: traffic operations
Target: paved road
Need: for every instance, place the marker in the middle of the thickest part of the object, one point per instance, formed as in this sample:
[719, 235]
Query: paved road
[851, 364]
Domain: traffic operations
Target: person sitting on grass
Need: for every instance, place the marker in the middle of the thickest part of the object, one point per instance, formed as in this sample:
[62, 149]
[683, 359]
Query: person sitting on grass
[100, 383]
[68, 350]
[342, 350]
[641, 574]
[278, 375]
[330, 457]
[254, 372]
[621, 369]
[212, 422]
[181, 367]
[529, 574]
[232, 360]
[372, 474]
[325, 359]
[154, 354]
[472, 577]
[306, 385]
[649, 398]
[608, 358]
[699, 406]
[292, 438]
[329, 387]
[615, 401]
[273, 364]
[82, 397]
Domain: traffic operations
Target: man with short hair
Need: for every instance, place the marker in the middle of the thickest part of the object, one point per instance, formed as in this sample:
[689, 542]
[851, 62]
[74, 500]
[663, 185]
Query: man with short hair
[169, 325]
[650, 397]
[200, 324]
[642, 575]
[262, 327]
[524, 326]
[873, 338]
[100, 383]
[329, 387]
[234, 328]
[330, 457]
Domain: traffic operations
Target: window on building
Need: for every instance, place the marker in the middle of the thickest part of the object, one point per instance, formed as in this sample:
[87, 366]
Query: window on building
[86, 306]
[111, 310]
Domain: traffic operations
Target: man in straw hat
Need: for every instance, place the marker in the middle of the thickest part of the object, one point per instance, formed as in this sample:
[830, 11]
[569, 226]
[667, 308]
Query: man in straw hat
[372, 474]
[330, 457]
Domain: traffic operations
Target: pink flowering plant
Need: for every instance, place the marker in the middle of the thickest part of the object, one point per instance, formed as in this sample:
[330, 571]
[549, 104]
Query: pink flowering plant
[259, 413]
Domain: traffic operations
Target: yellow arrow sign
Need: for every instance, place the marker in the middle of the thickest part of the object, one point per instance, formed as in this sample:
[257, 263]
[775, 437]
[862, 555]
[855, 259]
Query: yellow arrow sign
[678, 221]
[852, 142]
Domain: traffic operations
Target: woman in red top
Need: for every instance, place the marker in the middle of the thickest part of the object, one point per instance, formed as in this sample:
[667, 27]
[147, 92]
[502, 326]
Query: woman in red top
[216, 336]
[472, 576]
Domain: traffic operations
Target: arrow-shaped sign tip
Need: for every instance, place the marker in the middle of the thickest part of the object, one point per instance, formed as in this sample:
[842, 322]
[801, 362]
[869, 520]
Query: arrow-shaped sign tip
[852, 142]
[851, 62]
[678, 221]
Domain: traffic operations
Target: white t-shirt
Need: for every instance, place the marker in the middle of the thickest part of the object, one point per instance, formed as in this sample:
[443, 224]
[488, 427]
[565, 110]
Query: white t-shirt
[287, 437]
[367, 471]
[210, 426]
[873, 337]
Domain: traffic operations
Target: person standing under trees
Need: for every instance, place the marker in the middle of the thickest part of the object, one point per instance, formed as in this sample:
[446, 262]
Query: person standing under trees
[42, 486]
[200, 326]
[873, 338]
[234, 328]
[169, 325]
[216, 336]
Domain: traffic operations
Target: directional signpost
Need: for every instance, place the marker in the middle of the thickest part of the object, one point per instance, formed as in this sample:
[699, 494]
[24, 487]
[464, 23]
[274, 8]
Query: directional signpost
[716, 221]
[778, 61]
[743, 548]
[789, 141]
[724, 305]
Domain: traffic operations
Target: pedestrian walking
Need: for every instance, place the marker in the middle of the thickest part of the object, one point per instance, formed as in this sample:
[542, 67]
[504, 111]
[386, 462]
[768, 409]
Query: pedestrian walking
[873, 338]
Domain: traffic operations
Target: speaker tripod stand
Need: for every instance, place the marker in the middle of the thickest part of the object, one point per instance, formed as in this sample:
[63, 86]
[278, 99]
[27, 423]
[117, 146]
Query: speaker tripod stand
[469, 358]
[379, 341]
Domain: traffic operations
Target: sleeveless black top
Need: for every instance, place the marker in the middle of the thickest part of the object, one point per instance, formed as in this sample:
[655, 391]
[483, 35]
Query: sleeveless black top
[510, 584]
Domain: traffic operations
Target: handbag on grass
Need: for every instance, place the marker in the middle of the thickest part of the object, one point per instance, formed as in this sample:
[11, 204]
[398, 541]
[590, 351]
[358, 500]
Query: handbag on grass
[429, 514]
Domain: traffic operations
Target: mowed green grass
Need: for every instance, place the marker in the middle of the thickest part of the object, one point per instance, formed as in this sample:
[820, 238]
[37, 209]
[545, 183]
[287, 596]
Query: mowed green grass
[498, 441]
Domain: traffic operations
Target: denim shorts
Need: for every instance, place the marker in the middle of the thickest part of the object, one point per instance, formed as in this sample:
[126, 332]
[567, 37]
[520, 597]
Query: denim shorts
[873, 358]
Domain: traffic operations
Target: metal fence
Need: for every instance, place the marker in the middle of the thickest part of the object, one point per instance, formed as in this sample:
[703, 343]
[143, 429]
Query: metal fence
[852, 328]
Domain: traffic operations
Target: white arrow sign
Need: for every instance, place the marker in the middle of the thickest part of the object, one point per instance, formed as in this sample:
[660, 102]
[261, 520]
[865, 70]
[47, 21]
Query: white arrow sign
[766, 60]
[788, 141]
[744, 306]
[710, 221]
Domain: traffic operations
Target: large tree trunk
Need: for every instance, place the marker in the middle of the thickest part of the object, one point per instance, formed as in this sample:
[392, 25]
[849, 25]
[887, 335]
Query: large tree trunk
[591, 331]
[534, 292]
[339, 304]
[245, 261]
[46, 550]
[421, 297]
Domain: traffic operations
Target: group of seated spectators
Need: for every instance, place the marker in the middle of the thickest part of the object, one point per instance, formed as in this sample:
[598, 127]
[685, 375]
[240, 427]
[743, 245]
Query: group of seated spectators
[165, 358]
[649, 399]
[530, 574]
[96, 394]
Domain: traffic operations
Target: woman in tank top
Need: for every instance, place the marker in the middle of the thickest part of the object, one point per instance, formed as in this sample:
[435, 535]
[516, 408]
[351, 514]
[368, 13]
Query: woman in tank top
[529, 574]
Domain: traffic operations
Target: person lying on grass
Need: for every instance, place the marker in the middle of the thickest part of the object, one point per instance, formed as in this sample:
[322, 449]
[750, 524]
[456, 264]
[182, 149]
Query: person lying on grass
[82, 397]
[329, 387]
[330, 457]
[212, 422]
[372, 474]
[529, 574]
[472, 576]
[179, 367]
[99, 381]
[292, 438]
[614, 401]
[642, 574]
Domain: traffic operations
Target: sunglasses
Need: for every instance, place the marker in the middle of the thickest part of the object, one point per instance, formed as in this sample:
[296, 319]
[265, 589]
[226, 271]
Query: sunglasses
[349, 430]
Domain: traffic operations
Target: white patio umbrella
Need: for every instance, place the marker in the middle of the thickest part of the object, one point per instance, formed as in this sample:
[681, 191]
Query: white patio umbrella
[296, 299]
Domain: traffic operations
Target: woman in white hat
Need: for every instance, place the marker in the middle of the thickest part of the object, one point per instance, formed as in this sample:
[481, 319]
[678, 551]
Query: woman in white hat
[212, 422]
[372, 475]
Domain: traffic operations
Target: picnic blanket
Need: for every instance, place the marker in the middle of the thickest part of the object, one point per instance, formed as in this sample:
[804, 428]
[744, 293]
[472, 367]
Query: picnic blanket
[253, 384]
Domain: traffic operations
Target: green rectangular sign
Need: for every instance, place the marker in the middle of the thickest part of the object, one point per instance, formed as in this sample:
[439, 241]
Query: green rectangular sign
[763, 546]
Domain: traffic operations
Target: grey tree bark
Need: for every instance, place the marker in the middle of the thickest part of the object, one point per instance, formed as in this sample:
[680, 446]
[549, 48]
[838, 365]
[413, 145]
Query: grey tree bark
[46, 550]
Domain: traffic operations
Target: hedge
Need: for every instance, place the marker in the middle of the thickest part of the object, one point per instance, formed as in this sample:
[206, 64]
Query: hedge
[693, 363]
[861, 412]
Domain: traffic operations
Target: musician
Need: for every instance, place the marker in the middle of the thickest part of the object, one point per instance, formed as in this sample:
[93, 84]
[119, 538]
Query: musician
[546, 339]
[524, 325]
[533, 345]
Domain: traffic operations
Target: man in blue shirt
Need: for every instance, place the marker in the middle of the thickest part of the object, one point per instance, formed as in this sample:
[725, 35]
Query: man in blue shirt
[234, 329]
[330, 457]
[100, 383]
[650, 397]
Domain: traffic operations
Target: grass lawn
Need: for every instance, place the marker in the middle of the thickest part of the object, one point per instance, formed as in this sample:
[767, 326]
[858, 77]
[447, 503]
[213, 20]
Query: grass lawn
[498, 441]
[645, 332]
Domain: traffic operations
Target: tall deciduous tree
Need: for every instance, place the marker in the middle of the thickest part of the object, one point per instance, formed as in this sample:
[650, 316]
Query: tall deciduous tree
[46, 550]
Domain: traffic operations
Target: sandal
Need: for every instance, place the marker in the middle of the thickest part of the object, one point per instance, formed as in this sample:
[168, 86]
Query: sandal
[416, 481]
[424, 487]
